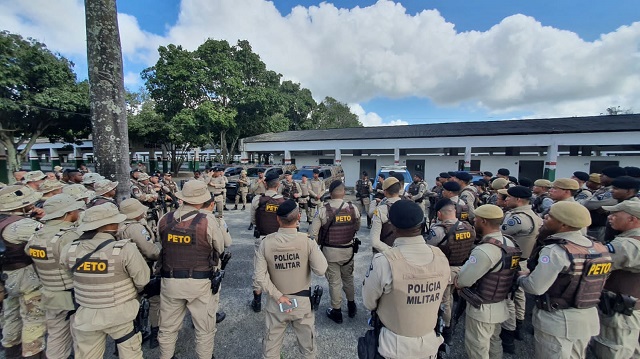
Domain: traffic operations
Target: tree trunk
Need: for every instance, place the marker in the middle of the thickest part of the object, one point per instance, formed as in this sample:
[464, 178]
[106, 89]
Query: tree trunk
[107, 95]
[13, 158]
[232, 148]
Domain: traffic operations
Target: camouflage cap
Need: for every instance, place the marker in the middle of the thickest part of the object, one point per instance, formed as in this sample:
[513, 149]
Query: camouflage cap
[50, 185]
[101, 215]
[103, 186]
[90, 178]
[59, 205]
[77, 191]
[132, 208]
[17, 196]
[143, 176]
[194, 192]
[34, 176]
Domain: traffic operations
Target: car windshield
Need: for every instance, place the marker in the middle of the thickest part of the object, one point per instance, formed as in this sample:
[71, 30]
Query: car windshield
[252, 172]
[297, 174]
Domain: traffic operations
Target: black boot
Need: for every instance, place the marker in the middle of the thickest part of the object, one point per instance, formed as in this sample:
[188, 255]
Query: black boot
[518, 333]
[14, 352]
[256, 303]
[368, 222]
[335, 315]
[243, 207]
[153, 340]
[508, 344]
[235, 208]
[225, 208]
[351, 306]
[220, 315]
[446, 335]
[250, 227]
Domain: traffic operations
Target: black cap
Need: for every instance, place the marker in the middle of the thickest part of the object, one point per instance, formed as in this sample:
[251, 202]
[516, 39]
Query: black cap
[286, 173]
[464, 176]
[513, 179]
[451, 186]
[626, 182]
[304, 175]
[405, 214]
[271, 176]
[519, 192]
[419, 175]
[168, 173]
[441, 203]
[633, 171]
[74, 170]
[398, 176]
[286, 207]
[582, 176]
[315, 170]
[525, 181]
[335, 184]
[444, 175]
[480, 182]
[487, 173]
[452, 173]
[614, 172]
[504, 172]
[364, 173]
[260, 170]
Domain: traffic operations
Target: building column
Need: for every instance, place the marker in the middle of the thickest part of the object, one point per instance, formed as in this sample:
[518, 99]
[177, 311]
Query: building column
[153, 163]
[244, 157]
[34, 160]
[287, 157]
[338, 158]
[551, 162]
[467, 159]
[165, 161]
[4, 169]
[196, 159]
[396, 156]
[77, 156]
[55, 159]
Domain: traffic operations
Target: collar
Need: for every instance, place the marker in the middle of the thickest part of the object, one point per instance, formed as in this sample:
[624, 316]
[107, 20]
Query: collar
[403, 241]
[630, 233]
[288, 230]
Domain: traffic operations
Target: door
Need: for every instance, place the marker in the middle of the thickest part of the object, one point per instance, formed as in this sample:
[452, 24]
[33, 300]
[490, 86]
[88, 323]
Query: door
[369, 166]
[533, 170]
[598, 166]
[414, 166]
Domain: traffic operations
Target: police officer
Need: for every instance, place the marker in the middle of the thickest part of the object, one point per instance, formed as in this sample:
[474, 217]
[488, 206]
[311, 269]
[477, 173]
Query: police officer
[485, 281]
[107, 275]
[619, 331]
[105, 192]
[363, 190]
[303, 201]
[24, 316]
[602, 197]
[89, 179]
[259, 185]
[34, 179]
[523, 225]
[288, 188]
[263, 216]
[284, 262]
[418, 191]
[73, 175]
[468, 193]
[408, 315]
[143, 192]
[383, 233]
[79, 192]
[496, 185]
[317, 189]
[191, 246]
[451, 190]
[378, 191]
[563, 189]
[334, 227]
[566, 277]
[455, 238]
[61, 214]
[49, 188]
[216, 186]
[583, 193]
[542, 202]
[243, 190]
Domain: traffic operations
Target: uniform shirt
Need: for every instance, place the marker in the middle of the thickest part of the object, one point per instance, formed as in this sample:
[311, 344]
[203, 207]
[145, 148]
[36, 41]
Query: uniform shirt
[468, 196]
[20, 231]
[217, 184]
[583, 195]
[422, 190]
[320, 219]
[484, 257]
[256, 201]
[143, 193]
[243, 183]
[520, 226]
[379, 281]
[258, 186]
[546, 203]
[316, 189]
[142, 237]
[222, 226]
[568, 323]
[602, 197]
[437, 233]
[295, 188]
[380, 215]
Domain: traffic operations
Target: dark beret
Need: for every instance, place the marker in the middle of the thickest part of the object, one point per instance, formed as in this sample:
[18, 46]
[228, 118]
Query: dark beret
[271, 176]
[287, 172]
[74, 170]
[305, 176]
[464, 176]
[286, 207]
[419, 175]
[399, 176]
[504, 172]
[614, 171]
[364, 173]
[444, 175]
[260, 170]
[315, 170]
[626, 182]
[335, 184]
[582, 176]
[524, 181]
[487, 173]
[406, 214]
[519, 192]
[481, 182]
[441, 203]
[452, 173]
[633, 171]
[451, 186]
[513, 179]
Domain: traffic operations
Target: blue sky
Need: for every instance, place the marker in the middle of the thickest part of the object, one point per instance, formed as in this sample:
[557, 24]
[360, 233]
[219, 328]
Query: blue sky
[392, 62]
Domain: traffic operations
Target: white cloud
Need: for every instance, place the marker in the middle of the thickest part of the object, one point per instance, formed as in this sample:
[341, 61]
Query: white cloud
[371, 119]
[358, 54]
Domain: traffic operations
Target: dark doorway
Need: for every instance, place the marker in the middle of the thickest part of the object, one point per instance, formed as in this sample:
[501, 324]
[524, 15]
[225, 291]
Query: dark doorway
[475, 165]
[533, 170]
[369, 166]
[598, 166]
[415, 166]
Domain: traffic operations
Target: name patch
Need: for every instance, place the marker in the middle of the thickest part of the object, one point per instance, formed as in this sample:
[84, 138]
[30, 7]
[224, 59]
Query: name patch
[271, 208]
[422, 293]
[598, 269]
[460, 236]
[178, 239]
[515, 262]
[464, 216]
[98, 266]
[286, 261]
[343, 219]
[38, 252]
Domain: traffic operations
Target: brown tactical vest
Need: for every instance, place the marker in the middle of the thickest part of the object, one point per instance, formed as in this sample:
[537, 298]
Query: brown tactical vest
[288, 263]
[184, 244]
[536, 206]
[266, 218]
[102, 281]
[340, 227]
[96, 201]
[458, 242]
[362, 188]
[462, 211]
[527, 242]
[474, 194]
[388, 231]
[582, 285]
[494, 287]
[289, 189]
[411, 308]
[14, 255]
[44, 249]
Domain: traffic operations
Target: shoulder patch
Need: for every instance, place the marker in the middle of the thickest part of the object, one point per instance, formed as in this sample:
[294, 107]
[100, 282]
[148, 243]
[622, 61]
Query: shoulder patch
[432, 233]
[511, 222]
[611, 248]
[472, 259]
[544, 259]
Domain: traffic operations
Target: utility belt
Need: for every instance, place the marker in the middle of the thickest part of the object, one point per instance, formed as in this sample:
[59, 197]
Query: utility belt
[355, 244]
[217, 194]
[302, 293]
[548, 304]
[307, 196]
[184, 274]
[616, 303]
[471, 297]
[368, 344]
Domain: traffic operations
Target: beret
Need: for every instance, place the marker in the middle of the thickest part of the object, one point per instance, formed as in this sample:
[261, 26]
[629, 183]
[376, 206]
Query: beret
[573, 214]
[633, 171]
[287, 173]
[489, 211]
[260, 170]
[452, 173]
[613, 171]
[566, 183]
[444, 175]
[419, 175]
[499, 183]
[519, 192]
[451, 186]
[543, 183]
[503, 191]
[480, 182]
[335, 184]
[594, 177]
[304, 175]
[504, 172]
[630, 206]
[626, 182]
[389, 182]
[464, 176]
[315, 170]
[405, 214]
[364, 173]
[513, 179]
[441, 203]
[271, 176]
[399, 176]
[524, 181]
[487, 173]
[286, 207]
[582, 176]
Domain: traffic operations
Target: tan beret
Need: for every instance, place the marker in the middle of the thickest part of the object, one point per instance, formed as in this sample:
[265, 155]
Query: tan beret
[389, 182]
[499, 183]
[631, 206]
[572, 214]
[594, 177]
[566, 183]
[503, 191]
[489, 211]
[542, 183]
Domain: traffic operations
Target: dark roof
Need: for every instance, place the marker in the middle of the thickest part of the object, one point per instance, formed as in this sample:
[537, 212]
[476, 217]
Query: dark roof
[599, 124]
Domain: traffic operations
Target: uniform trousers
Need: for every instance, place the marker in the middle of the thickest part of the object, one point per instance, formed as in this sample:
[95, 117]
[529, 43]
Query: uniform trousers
[60, 335]
[302, 321]
[552, 347]
[91, 344]
[340, 278]
[220, 200]
[154, 311]
[242, 193]
[615, 342]
[482, 340]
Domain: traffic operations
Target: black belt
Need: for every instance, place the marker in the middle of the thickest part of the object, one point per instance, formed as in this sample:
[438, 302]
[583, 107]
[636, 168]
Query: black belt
[307, 196]
[302, 293]
[338, 246]
[183, 274]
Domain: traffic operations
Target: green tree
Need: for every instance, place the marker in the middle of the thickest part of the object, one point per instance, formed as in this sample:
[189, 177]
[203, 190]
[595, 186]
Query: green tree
[299, 103]
[331, 113]
[39, 97]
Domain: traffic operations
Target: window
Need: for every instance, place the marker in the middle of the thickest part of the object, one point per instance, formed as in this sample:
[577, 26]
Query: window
[475, 165]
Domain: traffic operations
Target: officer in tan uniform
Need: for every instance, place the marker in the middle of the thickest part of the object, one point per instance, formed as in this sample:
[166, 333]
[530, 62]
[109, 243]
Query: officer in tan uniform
[78, 191]
[284, 263]
[259, 185]
[48, 189]
[364, 189]
[383, 233]
[186, 270]
[263, 216]
[567, 275]
[105, 191]
[563, 189]
[61, 215]
[620, 325]
[216, 186]
[34, 179]
[468, 193]
[542, 202]
[405, 286]
[418, 191]
[143, 192]
[107, 275]
[334, 227]
[455, 238]
[289, 189]
[303, 201]
[317, 189]
[24, 315]
[496, 185]
[521, 223]
[485, 281]
[243, 190]
[583, 193]
[451, 190]
[602, 197]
